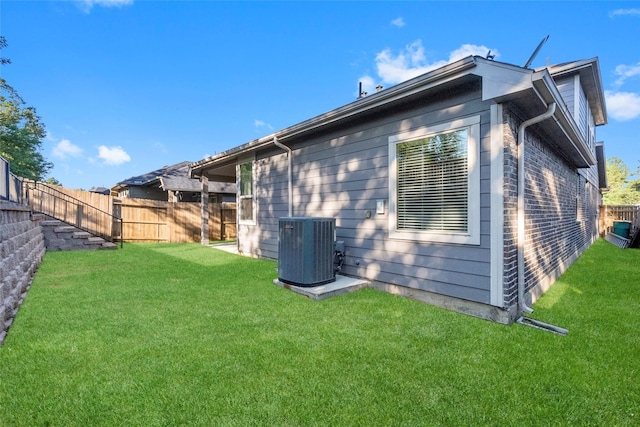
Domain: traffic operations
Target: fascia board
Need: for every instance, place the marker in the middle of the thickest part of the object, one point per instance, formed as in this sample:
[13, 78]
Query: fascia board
[410, 87]
[501, 80]
[589, 70]
[548, 92]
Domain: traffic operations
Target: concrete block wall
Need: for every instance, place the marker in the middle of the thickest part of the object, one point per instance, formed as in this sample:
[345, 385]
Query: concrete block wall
[22, 248]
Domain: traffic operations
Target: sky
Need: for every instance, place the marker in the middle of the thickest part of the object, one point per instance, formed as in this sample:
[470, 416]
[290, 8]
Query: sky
[125, 87]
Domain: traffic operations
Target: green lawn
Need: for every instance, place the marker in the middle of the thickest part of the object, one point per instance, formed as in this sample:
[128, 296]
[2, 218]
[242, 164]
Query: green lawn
[163, 335]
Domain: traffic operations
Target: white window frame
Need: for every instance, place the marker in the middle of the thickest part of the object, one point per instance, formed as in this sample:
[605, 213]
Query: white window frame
[472, 235]
[252, 196]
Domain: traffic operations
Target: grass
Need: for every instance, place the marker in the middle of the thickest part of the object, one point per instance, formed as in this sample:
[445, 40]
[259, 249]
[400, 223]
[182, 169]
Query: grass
[160, 335]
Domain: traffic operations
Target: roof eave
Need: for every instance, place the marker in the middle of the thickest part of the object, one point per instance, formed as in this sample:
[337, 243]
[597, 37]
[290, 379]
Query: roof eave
[574, 144]
[361, 105]
[589, 71]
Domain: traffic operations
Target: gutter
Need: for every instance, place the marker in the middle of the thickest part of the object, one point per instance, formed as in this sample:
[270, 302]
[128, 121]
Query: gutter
[289, 172]
[361, 105]
[522, 306]
[547, 92]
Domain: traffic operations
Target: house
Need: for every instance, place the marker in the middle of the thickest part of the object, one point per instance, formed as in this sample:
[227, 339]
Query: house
[100, 190]
[173, 184]
[472, 186]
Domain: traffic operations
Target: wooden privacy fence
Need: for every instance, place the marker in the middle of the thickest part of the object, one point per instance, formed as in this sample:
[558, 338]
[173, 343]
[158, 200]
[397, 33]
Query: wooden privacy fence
[87, 211]
[159, 221]
[611, 213]
[222, 221]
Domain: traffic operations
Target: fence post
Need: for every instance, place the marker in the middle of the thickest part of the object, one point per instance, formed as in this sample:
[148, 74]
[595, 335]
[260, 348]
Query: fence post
[172, 224]
[204, 210]
[5, 194]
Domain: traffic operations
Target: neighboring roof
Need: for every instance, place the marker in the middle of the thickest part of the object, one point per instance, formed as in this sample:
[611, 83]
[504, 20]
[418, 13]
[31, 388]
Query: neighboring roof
[193, 185]
[174, 178]
[100, 190]
[179, 169]
[532, 90]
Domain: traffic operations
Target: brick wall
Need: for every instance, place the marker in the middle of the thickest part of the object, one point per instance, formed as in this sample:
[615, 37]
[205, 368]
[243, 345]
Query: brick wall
[21, 251]
[510, 272]
[561, 207]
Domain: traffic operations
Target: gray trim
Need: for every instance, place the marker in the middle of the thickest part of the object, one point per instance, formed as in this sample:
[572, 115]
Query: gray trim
[497, 205]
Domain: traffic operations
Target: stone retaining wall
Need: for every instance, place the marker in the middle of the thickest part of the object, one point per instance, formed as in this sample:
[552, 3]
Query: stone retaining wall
[22, 248]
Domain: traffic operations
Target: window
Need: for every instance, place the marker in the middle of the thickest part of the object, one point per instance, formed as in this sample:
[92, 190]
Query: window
[246, 192]
[434, 183]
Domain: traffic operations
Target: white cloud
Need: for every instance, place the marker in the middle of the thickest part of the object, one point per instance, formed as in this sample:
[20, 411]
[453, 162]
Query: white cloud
[412, 62]
[87, 5]
[259, 123]
[624, 12]
[622, 106]
[398, 22]
[113, 156]
[625, 72]
[65, 148]
[160, 147]
[471, 49]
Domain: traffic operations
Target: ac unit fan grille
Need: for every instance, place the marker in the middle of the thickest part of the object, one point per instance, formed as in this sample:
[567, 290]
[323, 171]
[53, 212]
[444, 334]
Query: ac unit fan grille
[306, 250]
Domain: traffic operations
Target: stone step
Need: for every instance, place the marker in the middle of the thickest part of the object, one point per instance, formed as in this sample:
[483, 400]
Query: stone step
[62, 236]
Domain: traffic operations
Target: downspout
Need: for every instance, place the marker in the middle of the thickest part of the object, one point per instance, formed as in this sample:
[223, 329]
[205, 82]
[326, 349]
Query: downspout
[289, 173]
[522, 306]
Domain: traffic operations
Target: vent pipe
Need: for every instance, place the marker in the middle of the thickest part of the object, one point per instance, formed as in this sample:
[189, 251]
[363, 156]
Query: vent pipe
[361, 94]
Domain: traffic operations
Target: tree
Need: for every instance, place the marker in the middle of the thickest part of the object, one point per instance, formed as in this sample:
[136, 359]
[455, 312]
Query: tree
[51, 180]
[622, 190]
[21, 132]
[3, 44]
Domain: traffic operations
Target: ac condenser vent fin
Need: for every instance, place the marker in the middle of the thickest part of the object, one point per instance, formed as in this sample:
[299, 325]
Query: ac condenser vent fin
[306, 250]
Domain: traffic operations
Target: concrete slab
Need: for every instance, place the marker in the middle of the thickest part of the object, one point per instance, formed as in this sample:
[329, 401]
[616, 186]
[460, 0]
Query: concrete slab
[231, 247]
[342, 285]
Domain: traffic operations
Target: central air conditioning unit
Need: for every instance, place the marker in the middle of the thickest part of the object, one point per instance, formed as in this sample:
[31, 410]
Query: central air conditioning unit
[306, 247]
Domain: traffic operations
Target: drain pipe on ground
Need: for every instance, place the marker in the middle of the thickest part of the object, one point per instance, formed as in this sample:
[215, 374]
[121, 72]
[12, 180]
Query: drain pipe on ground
[522, 306]
[289, 173]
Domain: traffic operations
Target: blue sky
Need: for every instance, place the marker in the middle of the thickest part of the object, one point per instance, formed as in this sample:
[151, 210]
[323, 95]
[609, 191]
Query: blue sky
[125, 87]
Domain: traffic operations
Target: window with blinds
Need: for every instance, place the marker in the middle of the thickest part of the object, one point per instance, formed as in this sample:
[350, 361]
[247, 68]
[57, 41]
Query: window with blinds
[245, 196]
[434, 183]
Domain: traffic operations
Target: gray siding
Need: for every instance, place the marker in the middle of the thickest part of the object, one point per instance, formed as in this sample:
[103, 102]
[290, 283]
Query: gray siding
[343, 172]
[567, 91]
[578, 106]
[582, 117]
